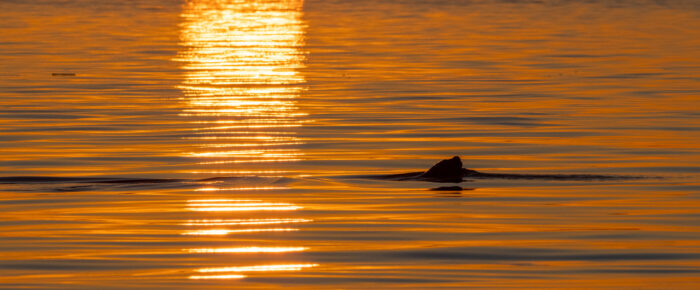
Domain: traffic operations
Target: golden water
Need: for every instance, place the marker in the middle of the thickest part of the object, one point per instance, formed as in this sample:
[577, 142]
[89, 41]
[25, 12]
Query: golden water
[267, 111]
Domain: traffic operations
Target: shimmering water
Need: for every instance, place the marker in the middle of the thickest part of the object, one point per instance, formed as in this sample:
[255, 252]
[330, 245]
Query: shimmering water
[217, 144]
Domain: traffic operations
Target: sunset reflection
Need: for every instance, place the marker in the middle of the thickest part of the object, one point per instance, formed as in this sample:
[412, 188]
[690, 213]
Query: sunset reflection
[261, 268]
[239, 205]
[224, 232]
[197, 277]
[239, 188]
[222, 222]
[241, 144]
[241, 64]
[249, 250]
[215, 227]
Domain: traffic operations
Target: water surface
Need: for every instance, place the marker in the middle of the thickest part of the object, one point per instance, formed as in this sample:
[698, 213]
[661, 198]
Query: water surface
[217, 144]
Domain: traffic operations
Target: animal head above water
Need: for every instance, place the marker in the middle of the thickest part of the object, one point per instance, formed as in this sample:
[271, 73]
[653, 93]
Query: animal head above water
[445, 169]
[451, 171]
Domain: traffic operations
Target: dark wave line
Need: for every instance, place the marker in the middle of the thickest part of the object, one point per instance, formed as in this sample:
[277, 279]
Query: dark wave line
[450, 170]
[51, 179]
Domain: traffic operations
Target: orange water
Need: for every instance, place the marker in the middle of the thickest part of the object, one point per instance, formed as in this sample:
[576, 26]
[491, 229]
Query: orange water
[292, 99]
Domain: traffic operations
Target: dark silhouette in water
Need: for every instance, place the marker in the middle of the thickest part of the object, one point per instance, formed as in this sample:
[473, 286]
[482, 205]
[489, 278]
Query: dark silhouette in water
[450, 170]
[456, 189]
[70, 184]
[63, 74]
[445, 169]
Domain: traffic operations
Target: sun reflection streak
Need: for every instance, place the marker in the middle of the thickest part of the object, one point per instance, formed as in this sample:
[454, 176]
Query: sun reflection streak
[261, 268]
[249, 250]
[231, 222]
[214, 205]
[252, 204]
[229, 145]
[240, 188]
[221, 200]
[241, 64]
[248, 161]
[248, 153]
[250, 208]
[223, 232]
[201, 277]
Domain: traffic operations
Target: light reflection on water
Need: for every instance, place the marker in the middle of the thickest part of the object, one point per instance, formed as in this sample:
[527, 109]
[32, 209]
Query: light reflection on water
[229, 276]
[345, 88]
[225, 222]
[222, 206]
[241, 63]
[289, 267]
[249, 250]
[234, 205]
[239, 188]
[261, 268]
[223, 232]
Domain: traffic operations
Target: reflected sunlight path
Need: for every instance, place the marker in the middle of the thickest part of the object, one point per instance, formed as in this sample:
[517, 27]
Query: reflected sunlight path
[241, 64]
[241, 61]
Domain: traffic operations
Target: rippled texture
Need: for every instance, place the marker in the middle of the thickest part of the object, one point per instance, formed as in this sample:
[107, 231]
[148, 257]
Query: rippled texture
[218, 144]
[242, 79]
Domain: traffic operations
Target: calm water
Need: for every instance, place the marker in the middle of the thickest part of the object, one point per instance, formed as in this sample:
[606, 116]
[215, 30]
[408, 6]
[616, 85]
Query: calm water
[260, 113]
